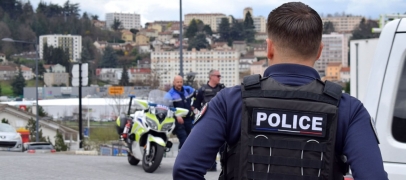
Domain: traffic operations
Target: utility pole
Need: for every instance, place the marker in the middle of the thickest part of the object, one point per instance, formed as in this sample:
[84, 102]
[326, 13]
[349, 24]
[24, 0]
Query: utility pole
[80, 107]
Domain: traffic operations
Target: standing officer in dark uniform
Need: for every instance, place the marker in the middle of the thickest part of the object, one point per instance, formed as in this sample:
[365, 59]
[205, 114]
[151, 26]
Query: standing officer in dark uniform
[289, 124]
[205, 94]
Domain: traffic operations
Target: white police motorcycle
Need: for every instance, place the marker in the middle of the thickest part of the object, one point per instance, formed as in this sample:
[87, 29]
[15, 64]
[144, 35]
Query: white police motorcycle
[146, 132]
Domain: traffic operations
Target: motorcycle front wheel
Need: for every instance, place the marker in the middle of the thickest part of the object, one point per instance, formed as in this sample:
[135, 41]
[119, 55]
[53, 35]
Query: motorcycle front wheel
[152, 161]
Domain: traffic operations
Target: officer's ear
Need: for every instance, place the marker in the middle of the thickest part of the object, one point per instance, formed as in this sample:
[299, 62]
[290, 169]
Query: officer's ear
[270, 49]
[320, 50]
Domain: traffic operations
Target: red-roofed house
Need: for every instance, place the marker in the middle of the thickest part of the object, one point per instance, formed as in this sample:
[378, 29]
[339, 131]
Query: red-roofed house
[345, 74]
[165, 36]
[7, 72]
[139, 76]
[27, 72]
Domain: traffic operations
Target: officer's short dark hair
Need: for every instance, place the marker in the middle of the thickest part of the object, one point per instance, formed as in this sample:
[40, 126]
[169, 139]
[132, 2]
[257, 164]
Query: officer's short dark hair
[295, 27]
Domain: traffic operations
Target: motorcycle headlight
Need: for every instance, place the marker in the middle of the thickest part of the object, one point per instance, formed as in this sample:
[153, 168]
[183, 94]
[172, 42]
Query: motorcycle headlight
[167, 126]
[152, 123]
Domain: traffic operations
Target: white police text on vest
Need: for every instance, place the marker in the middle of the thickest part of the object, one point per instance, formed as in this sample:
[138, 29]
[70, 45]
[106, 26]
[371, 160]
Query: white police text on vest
[288, 122]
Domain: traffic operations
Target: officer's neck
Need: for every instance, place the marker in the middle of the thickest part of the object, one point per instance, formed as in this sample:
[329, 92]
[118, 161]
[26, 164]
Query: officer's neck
[283, 58]
[300, 62]
[212, 84]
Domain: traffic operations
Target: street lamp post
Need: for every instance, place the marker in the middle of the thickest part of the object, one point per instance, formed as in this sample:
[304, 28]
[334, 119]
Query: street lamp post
[36, 79]
[180, 39]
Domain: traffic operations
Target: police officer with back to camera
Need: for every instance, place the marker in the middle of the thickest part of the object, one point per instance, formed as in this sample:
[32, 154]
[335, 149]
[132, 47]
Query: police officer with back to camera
[288, 124]
[205, 94]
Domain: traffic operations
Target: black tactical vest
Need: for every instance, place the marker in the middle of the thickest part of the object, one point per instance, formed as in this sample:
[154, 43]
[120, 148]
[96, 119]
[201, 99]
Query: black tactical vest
[209, 92]
[287, 132]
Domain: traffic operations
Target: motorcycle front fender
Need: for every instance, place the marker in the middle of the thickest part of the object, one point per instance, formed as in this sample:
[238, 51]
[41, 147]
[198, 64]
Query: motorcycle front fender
[157, 140]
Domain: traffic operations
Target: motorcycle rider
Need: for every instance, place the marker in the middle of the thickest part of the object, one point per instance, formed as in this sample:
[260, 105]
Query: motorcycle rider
[182, 97]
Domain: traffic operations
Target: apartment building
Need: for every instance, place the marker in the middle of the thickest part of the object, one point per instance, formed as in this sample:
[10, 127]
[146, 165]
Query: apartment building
[259, 21]
[165, 65]
[335, 50]
[128, 20]
[210, 19]
[343, 24]
[73, 43]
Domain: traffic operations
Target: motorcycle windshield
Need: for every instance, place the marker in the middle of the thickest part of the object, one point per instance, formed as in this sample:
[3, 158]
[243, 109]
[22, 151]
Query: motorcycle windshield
[160, 98]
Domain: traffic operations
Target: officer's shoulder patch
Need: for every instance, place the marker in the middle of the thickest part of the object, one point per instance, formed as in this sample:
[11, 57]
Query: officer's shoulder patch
[374, 129]
[201, 113]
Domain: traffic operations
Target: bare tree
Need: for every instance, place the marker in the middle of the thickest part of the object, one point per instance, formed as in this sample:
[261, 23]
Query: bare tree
[119, 102]
[156, 75]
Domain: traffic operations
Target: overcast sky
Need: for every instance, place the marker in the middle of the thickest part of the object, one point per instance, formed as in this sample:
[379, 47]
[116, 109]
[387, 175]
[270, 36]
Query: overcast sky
[152, 10]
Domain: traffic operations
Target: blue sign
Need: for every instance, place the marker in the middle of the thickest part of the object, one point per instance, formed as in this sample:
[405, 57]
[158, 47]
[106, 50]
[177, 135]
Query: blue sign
[86, 132]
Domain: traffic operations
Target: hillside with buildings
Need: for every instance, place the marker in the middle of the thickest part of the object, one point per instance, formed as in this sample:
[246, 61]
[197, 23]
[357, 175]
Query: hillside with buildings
[122, 51]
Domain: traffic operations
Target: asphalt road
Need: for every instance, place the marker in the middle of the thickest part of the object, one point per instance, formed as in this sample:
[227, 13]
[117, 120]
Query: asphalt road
[21, 166]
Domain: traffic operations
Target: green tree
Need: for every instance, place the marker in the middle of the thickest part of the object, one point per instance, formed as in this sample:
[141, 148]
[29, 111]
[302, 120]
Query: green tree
[237, 31]
[207, 30]
[109, 59]
[18, 83]
[134, 31]
[85, 55]
[328, 27]
[31, 126]
[249, 28]
[41, 69]
[87, 43]
[12, 7]
[125, 80]
[28, 12]
[347, 88]
[120, 52]
[200, 25]
[224, 29]
[59, 142]
[71, 10]
[117, 25]
[192, 29]
[4, 120]
[199, 42]
[134, 52]
[0, 89]
[364, 30]
[41, 111]
[95, 17]
[85, 16]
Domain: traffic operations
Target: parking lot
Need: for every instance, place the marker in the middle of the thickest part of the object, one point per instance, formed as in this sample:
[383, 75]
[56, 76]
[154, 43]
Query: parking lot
[18, 166]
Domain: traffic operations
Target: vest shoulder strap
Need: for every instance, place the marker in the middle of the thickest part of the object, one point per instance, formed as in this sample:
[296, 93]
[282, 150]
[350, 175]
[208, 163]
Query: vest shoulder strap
[333, 90]
[252, 81]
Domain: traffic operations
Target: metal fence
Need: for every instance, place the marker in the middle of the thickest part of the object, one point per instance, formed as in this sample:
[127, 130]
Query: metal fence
[115, 149]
